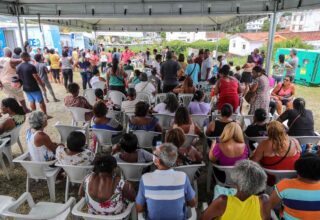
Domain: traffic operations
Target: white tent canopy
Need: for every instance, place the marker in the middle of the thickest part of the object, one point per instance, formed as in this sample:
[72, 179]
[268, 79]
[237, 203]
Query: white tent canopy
[149, 15]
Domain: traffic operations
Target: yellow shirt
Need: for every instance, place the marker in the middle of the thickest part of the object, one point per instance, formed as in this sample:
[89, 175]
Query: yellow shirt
[55, 61]
[75, 56]
[239, 210]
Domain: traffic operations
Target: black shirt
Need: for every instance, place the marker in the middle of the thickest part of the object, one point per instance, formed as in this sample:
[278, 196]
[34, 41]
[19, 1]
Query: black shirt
[25, 72]
[169, 70]
[218, 128]
[256, 130]
[302, 126]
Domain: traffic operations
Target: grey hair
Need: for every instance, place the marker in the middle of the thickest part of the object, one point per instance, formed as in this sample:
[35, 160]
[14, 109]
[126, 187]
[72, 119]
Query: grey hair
[249, 177]
[7, 52]
[168, 155]
[37, 119]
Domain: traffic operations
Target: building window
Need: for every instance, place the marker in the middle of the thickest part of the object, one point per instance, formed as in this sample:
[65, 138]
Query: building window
[301, 18]
[234, 44]
[243, 46]
[295, 18]
[300, 27]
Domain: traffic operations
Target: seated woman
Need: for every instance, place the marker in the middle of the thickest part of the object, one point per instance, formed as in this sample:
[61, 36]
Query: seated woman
[215, 128]
[258, 127]
[183, 120]
[279, 151]
[136, 78]
[141, 120]
[75, 100]
[106, 193]
[186, 154]
[186, 87]
[96, 78]
[303, 190]
[129, 105]
[283, 94]
[40, 146]
[300, 119]
[129, 151]
[100, 120]
[230, 148]
[17, 116]
[100, 97]
[227, 89]
[197, 105]
[75, 153]
[250, 180]
[168, 106]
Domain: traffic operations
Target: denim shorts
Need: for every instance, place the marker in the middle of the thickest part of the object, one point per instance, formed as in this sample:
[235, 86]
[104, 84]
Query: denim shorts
[35, 96]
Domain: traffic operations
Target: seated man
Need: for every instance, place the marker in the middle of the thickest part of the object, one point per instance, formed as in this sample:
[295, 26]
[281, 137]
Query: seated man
[130, 104]
[146, 86]
[165, 192]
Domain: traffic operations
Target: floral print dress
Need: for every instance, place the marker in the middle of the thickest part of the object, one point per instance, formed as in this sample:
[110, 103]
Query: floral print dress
[115, 205]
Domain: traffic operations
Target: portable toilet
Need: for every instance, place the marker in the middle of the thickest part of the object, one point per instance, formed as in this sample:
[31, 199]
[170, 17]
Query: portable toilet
[308, 69]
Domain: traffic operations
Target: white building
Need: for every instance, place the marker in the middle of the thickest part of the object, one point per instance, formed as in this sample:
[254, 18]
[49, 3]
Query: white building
[244, 43]
[185, 36]
[304, 21]
[254, 26]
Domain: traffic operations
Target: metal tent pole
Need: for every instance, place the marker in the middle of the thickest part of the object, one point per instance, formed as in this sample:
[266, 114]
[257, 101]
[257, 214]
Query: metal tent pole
[41, 31]
[272, 30]
[19, 26]
[25, 27]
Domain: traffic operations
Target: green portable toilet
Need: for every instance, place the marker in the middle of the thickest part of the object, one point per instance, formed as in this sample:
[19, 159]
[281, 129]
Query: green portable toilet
[308, 71]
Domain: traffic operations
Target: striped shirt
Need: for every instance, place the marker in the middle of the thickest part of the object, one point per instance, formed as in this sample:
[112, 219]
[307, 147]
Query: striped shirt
[165, 192]
[300, 200]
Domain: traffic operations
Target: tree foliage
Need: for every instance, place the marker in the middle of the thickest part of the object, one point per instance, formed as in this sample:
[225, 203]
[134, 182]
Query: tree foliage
[266, 26]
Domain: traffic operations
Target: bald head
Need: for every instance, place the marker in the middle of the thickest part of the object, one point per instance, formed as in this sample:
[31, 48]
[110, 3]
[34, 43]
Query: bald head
[7, 52]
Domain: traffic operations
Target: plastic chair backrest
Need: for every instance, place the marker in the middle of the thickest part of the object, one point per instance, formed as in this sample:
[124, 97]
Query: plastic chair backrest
[199, 119]
[78, 114]
[99, 85]
[14, 134]
[143, 96]
[189, 139]
[116, 97]
[185, 99]
[234, 117]
[256, 139]
[145, 138]
[104, 136]
[76, 174]
[65, 130]
[281, 174]
[190, 170]
[35, 170]
[165, 120]
[133, 171]
[225, 169]
[90, 96]
[307, 139]
[160, 98]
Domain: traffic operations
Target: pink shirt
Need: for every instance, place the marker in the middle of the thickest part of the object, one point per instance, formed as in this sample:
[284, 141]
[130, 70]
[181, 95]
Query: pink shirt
[126, 55]
[228, 161]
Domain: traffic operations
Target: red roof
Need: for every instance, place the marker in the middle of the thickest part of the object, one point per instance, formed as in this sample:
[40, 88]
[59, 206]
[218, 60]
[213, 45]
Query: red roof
[215, 35]
[262, 36]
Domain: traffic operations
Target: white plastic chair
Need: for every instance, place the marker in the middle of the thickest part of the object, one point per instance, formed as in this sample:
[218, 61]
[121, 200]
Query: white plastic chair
[165, 120]
[133, 171]
[77, 211]
[99, 85]
[41, 210]
[185, 99]
[116, 97]
[191, 170]
[189, 139]
[104, 138]
[256, 140]
[160, 97]
[65, 130]
[78, 115]
[281, 174]
[234, 117]
[39, 170]
[5, 201]
[226, 169]
[14, 137]
[145, 138]
[75, 174]
[5, 148]
[143, 96]
[90, 96]
[307, 139]
[199, 119]
[192, 214]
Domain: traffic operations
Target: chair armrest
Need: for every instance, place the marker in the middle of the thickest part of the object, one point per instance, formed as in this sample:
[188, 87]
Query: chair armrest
[4, 142]
[53, 172]
[16, 204]
[76, 210]
[140, 216]
[273, 215]
[193, 214]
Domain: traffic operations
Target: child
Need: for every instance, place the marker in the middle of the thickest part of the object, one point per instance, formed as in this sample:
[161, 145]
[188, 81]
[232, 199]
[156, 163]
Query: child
[43, 71]
[96, 78]
[237, 74]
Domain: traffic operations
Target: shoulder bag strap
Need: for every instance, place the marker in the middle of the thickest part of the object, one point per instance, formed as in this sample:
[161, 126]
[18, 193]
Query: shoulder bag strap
[193, 70]
[294, 121]
[282, 158]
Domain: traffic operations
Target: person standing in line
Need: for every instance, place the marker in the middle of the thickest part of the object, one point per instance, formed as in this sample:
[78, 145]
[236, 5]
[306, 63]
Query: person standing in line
[103, 60]
[116, 55]
[43, 71]
[31, 81]
[192, 70]
[169, 70]
[66, 66]
[7, 72]
[294, 63]
[109, 56]
[257, 58]
[206, 66]
[55, 66]
[156, 63]
[84, 66]
[280, 69]
[126, 55]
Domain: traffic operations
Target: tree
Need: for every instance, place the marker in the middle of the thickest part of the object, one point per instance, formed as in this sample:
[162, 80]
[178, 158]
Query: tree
[266, 26]
[163, 36]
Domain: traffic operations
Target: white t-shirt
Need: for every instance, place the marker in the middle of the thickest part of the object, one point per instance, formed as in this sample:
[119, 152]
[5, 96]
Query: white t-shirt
[156, 65]
[146, 87]
[204, 66]
[129, 106]
[161, 109]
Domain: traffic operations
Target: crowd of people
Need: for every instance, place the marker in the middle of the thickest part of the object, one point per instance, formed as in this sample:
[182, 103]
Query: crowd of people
[218, 89]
